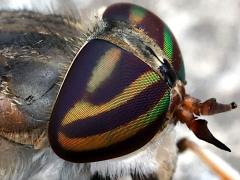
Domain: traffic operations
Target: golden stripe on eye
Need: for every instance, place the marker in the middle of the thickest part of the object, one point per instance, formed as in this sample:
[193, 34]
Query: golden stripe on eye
[98, 141]
[82, 109]
[108, 61]
[116, 135]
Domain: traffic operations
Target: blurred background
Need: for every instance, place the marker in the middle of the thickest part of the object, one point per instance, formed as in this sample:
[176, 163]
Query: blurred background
[208, 33]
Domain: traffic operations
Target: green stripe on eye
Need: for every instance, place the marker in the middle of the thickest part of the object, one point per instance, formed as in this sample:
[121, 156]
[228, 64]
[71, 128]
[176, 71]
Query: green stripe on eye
[145, 119]
[181, 72]
[158, 109]
[168, 44]
[151, 116]
[137, 12]
[152, 78]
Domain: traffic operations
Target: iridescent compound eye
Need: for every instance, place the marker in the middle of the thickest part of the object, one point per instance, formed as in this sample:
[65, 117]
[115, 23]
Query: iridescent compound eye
[111, 102]
[153, 26]
[116, 94]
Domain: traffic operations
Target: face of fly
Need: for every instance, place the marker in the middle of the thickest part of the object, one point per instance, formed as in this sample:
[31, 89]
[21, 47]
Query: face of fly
[135, 56]
[107, 109]
[143, 61]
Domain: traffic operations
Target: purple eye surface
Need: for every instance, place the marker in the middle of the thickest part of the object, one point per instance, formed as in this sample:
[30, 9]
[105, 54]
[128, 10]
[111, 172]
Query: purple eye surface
[153, 26]
[110, 100]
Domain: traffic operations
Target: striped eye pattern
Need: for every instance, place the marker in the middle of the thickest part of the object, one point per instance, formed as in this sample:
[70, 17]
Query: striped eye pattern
[153, 26]
[112, 103]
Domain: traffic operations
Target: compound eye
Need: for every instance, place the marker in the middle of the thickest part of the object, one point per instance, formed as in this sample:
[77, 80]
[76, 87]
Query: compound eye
[110, 104]
[153, 26]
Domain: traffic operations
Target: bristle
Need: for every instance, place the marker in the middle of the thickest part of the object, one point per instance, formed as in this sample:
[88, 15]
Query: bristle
[25, 137]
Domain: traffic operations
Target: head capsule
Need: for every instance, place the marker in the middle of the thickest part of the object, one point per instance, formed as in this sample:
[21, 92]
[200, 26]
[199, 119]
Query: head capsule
[114, 99]
[153, 26]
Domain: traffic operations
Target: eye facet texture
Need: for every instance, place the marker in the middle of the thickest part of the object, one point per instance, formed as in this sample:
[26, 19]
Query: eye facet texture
[110, 104]
[153, 26]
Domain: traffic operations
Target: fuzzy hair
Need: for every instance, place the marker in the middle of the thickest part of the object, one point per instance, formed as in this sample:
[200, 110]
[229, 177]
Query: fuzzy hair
[157, 156]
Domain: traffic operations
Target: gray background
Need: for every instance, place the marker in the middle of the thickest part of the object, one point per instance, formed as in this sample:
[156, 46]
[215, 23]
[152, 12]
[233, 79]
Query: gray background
[208, 33]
